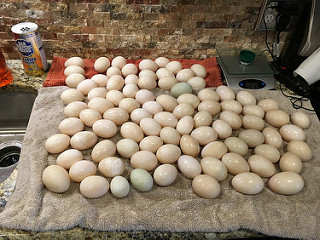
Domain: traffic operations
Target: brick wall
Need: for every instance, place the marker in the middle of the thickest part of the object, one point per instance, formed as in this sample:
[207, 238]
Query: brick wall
[135, 28]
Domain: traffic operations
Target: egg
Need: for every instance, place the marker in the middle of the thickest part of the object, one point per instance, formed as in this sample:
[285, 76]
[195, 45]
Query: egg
[119, 187]
[206, 186]
[197, 83]
[253, 122]
[104, 128]
[114, 96]
[56, 179]
[100, 104]
[127, 147]
[103, 149]
[286, 183]
[252, 137]
[212, 107]
[115, 82]
[71, 126]
[165, 174]
[113, 71]
[73, 109]
[82, 169]
[261, 166]
[199, 70]
[148, 64]
[185, 74]
[57, 143]
[253, 110]
[71, 95]
[170, 135]
[290, 162]
[272, 137]
[119, 62]
[189, 166]
[74, 79]
[237, 145]
[166, 119]
[97, 92]
[83, 140]
[202, 118]
[247, 183]
[214, 167]
[268, 104]
[300, 119]
[163, 72]
[277, 118]
[94, 186]
[232, 118]
[231, 105]
[204, 135]
[132, 131]
[185, 125]
[86, 85]
[235, 163]
[246, 98]
[162, 62]
[130, 90]
[167, 102]
[189, 145]
[147, 83]
[100, 79]
[225, 93]
[73, 69]
[144, 95]
[180, 88]
[268, 151]
[150, 127]
[208, 94]
[148, 73]
[214, 149]
[129, 104]
[223, 128]
[131, 78]
[168, 153]
[139, 113]
[75, 61]
[151, 143]
[128, 69]
[189, 98]
[101, 64]
[291, 132]
[153, 107]
[182, 110]
[89, 116]
[68, 157]
[174, 66]
[300, 148]
[111, 166]
[117, 115]
[141, 180]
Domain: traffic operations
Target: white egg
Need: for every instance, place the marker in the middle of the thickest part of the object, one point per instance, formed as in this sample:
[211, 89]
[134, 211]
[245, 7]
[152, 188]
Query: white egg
[237, 145]
[152, 106]
[101, 64]
[206, 186]
[117, 115]
[100, 104]
[75, 61]
[148, 64]
[71, 126]
[174, 66]
[170, 135]
[185, 125]
[141, 180]
[291, 132]
[82, 169]
[71, 95]
[211, 106]
[290, 162]
[74, 79]
[202, 118]
[300, 148]
[167, 102]
[104, 128]
[73, 69]
[86, 85]
[114, 96]
[165, 174]
[231, 105]
[246, 98]
[151, 143]
[68, 157]
[235, 163]
[89, 116]
[252, 137]
[261, 166]
[148, 73]
[56, 179]
[111, 166]
[113, 71]
[119, 187]
[286, 183]
[199, 70]
[268, 104]
[127, 147]
[132, 131]
[162, 62]
[57, 143]
[130, 90]
[166, 119]
[272, 137]
[197, 83]
[163, 72]
[168, 153]
[208, 94]
[138, 114]
[189, 166]
[251, 109]
[300, 119]
[166, 83]
[131, 78]
[97, 92]
[103, 149]
[253, 122]
[225, 93]
[129, 104]
[118, 62]
[232, 118]
[185, 74]
[150, 127]
[204, 135]
[94, 186]
[144, 160]
[214, 149]
[128, 69]
[83, 140]
[147, 83]
[73, 109]
[189, 98]
[100, 79]
[268, 151]
[144, 95]
[214, 168]
[247, 183]
[115, 82]
[182, 110]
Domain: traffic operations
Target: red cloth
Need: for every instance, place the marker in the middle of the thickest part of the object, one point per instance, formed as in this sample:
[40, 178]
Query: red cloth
[56, 76]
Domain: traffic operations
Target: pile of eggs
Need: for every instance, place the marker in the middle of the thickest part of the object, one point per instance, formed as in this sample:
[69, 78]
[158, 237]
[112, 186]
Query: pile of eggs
[166, 128]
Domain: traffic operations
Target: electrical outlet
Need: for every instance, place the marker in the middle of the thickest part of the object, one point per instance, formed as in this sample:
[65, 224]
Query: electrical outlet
[34, 13]
[267, 16]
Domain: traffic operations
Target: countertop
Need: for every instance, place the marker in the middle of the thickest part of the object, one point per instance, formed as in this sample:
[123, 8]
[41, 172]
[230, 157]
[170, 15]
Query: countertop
[26, 83]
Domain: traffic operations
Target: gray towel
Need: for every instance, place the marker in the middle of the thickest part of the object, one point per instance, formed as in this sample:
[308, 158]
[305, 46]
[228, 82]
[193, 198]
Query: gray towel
[172, 208]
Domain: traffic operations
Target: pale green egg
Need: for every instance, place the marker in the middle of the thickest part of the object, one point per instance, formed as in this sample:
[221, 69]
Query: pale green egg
[141, 180]
[180, 88]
